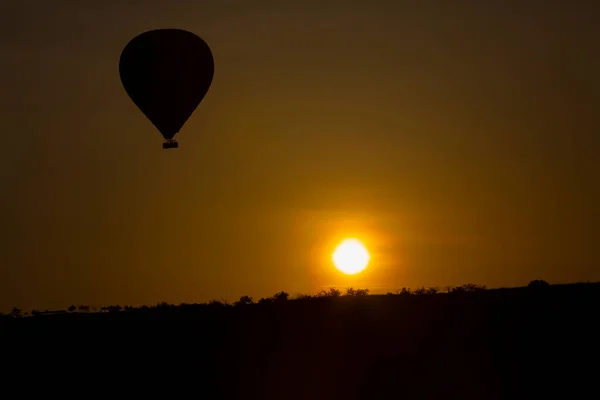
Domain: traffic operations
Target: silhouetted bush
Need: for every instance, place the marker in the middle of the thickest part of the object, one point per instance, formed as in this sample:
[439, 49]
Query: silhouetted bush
[331, 292]
[16, 312]
[243, 301]
[265, 300]
[468, 288]
[281, 296]
[538, 283]
[420, 291]
[432, 291]
[218, 303]
[111, 309]
[357, 292]
[471, 287]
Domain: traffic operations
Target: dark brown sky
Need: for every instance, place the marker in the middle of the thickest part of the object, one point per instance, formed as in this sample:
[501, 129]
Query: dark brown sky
[459, 140]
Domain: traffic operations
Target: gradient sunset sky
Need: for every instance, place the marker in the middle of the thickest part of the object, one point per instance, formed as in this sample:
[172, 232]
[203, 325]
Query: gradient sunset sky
[459, 140]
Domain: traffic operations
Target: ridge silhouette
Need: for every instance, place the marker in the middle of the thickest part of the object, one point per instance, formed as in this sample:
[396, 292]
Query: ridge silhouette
[467, 342]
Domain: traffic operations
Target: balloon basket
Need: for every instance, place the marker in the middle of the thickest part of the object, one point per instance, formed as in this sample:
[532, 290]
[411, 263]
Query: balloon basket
[171, 144]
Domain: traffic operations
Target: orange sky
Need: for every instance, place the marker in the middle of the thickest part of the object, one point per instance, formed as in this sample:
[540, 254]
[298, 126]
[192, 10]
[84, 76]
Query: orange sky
[459, 141]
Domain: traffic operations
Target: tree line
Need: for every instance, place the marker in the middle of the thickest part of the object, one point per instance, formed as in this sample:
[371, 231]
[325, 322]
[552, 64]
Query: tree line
[277, 298]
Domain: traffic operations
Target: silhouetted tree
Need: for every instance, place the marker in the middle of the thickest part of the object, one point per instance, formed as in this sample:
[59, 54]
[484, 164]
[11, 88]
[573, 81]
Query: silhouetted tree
[35, 312]
[16, 312]
[244, 301]
[265, 300]
[112, 309]
[538, 283]
[471, 287]
[432, 291]
[405, 292]
[281, 296]
[538, 287]
[84, 308]
[304, 296]
[468, 288]
[72, 308]
[420, 291]
[356, 292]
[331, 292]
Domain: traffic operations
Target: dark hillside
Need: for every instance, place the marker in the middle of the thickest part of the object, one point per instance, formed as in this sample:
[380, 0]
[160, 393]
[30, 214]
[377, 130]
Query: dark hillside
[485, 344]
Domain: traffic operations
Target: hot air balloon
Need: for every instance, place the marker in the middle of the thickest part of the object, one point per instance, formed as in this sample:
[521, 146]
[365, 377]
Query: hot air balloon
[167, 73]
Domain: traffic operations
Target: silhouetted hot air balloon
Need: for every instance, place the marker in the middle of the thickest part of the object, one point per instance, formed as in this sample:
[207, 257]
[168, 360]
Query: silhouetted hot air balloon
[167, 73]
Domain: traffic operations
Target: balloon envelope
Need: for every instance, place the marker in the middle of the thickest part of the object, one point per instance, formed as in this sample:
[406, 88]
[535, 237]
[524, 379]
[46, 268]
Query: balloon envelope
[167, 73]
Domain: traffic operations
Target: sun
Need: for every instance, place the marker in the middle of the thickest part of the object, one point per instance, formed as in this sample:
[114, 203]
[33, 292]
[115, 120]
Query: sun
[351, 257]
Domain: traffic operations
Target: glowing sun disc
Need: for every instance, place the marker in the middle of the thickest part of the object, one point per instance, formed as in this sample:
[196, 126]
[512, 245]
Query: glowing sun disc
[351, 257]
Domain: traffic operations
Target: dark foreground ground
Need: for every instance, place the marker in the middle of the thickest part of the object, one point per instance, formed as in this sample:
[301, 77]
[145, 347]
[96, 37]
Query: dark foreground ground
[493, 344]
